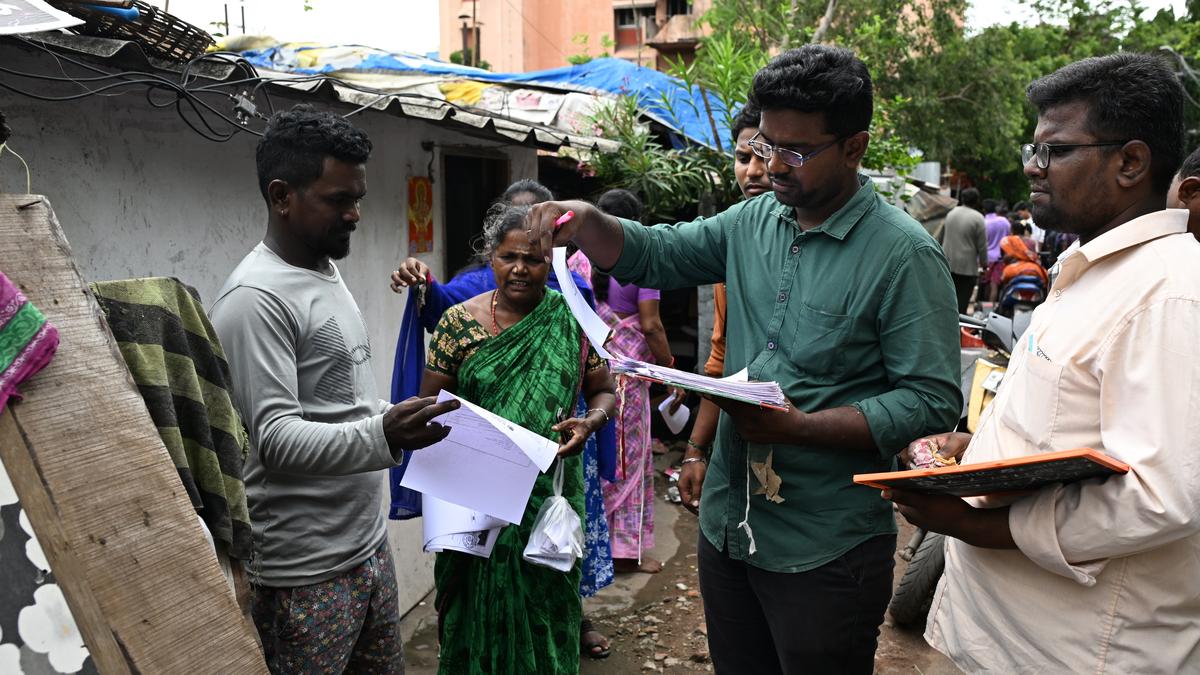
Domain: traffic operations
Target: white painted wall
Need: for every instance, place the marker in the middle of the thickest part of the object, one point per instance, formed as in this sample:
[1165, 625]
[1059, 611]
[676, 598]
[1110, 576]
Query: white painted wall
[139, 194]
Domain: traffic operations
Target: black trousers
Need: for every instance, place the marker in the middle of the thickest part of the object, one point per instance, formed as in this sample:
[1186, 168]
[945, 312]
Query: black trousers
[963, 285]
[825, 620]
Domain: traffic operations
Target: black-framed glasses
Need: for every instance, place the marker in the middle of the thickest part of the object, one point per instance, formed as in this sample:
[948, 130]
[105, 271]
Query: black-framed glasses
[1042, 151]
[789, 157]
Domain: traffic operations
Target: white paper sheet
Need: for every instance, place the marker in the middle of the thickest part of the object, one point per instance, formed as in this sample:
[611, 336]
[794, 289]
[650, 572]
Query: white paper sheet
[734, 387]
[595, 328]
[449, 527]
[677, 421]
[541, 450]
[32, 16]
[486, 464]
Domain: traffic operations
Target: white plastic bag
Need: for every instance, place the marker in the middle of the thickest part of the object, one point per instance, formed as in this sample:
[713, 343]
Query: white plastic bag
[675, 422]
[557, 536]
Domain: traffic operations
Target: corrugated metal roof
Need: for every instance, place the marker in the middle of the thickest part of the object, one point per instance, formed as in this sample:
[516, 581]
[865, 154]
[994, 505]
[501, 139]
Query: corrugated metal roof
[124, 55]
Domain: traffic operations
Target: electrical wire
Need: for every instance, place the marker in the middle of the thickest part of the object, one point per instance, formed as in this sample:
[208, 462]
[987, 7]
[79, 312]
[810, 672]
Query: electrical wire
[184, 93]
[28, 175]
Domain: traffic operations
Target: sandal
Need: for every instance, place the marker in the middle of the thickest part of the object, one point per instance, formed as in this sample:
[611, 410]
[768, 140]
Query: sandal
[597, 647]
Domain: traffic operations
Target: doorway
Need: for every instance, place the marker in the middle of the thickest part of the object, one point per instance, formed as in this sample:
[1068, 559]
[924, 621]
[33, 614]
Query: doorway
[472, 183]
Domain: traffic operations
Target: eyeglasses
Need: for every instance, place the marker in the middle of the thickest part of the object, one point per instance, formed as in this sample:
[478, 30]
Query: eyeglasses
[1042, 150]
[789, 157]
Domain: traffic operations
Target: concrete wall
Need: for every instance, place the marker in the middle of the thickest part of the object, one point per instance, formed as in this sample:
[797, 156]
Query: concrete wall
[524, 35]
[139, 194]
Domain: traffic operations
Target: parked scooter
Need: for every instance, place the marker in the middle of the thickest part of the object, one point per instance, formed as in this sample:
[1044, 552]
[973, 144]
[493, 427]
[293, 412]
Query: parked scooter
[1018, 299]
[983, 370]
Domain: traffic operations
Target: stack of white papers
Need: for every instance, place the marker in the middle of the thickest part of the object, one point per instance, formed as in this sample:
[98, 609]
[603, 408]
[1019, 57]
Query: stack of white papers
[450, 527]
[735, 387]
[477, 479]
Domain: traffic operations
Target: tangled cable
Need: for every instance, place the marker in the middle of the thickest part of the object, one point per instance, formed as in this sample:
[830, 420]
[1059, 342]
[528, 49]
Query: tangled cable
[188, 93]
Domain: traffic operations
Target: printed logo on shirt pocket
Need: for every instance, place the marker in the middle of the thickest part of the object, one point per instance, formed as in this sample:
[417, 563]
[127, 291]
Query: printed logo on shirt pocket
[1031, 408]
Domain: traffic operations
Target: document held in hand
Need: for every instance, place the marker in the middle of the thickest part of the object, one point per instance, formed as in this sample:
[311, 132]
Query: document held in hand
[449, 527]
[486, 464]
[1006, 476]
[736, 387]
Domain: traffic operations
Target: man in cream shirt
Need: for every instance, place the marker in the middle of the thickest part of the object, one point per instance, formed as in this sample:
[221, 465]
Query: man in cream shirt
[1099, 576]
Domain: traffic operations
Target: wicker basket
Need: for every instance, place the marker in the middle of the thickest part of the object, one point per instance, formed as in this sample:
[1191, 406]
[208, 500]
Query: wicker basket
[160, 34]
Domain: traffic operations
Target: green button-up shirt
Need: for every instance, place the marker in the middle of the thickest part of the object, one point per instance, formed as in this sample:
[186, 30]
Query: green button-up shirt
[859, 311]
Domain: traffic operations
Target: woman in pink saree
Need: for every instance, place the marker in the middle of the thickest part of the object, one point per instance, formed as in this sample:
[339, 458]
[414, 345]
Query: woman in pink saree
[638, 333]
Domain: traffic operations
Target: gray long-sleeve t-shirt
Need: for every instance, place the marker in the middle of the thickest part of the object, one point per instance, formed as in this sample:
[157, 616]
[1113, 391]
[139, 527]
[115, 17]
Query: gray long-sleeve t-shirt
[300, 360]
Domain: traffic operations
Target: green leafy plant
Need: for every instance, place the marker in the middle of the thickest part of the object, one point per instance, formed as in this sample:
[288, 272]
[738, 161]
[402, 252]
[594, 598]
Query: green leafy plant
[464, 59]
[669, 181]
[584, 55]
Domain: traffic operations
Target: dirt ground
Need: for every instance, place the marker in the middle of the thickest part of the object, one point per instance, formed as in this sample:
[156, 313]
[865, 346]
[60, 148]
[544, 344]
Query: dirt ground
[656, 622]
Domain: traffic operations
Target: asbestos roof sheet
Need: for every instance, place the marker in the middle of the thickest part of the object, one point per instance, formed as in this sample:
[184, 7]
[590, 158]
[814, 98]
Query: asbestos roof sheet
[417, 97]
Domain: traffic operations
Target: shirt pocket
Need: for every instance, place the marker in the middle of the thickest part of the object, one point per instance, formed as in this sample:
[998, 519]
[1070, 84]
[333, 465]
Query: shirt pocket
[816, 344]
[1032, 406]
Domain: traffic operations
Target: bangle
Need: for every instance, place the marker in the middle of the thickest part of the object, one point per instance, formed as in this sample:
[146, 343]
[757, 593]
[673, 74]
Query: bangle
[701, 448]
[689, 460]
[602, 411]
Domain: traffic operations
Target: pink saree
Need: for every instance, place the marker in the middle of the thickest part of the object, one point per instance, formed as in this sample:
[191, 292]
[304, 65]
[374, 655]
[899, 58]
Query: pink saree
[629, 501]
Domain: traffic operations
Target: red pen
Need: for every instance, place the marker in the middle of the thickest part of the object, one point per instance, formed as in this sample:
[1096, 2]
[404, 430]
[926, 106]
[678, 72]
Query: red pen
[563, 219]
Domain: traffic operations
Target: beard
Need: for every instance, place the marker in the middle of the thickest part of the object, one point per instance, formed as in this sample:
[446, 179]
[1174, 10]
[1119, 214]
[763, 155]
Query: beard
[337, 248]
[1051, 217]
[1048, 217]
[795, 196]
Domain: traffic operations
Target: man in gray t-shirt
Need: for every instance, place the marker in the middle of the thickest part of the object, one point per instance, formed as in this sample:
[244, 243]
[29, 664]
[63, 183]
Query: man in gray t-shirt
[964, 239]
[324, 586]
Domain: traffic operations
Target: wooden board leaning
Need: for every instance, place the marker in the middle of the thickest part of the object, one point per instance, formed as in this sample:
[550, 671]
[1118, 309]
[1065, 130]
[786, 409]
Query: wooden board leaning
[99, 487]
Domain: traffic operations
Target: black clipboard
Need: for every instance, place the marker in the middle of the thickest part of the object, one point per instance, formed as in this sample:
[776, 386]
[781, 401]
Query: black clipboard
[1021, 474]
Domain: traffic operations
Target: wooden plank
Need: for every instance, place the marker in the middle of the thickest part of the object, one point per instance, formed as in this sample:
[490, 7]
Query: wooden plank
[99, 487]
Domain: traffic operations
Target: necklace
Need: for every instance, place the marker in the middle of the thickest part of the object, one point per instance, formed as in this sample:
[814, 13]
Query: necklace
[495, 325]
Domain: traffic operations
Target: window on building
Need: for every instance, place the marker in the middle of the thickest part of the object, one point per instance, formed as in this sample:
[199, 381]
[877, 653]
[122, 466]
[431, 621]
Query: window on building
[678, 7]
[634, 25]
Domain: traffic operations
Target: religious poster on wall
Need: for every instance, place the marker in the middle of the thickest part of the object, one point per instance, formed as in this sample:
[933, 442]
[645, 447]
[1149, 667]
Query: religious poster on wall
[420, 215]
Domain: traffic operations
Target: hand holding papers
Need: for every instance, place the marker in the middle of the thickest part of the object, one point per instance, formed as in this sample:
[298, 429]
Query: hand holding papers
[486, 464]
[765, 394]
[735, 387]
[676, 421]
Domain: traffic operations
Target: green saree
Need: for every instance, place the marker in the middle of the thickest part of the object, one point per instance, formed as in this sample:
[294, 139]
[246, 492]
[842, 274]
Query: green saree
[504, 615]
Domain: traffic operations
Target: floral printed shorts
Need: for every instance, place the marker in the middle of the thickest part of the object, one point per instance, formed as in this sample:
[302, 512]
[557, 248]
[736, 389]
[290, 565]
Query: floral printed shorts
[350, 623]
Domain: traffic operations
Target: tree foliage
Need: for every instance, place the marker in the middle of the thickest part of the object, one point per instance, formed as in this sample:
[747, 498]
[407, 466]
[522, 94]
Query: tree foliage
[958, 96]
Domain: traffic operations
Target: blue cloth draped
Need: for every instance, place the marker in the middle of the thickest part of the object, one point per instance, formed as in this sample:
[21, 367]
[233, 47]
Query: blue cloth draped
[599, 453]
[407, 370]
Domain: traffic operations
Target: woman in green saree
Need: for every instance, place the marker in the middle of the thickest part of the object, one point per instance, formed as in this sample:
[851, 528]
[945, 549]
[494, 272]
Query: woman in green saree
[518, 352]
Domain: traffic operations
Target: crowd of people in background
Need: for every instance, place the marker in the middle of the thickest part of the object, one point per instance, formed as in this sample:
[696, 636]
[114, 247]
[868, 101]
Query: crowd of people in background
[823, 286]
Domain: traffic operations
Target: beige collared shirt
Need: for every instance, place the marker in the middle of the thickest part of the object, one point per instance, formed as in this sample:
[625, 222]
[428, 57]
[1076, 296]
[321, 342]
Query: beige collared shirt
[1106, 578]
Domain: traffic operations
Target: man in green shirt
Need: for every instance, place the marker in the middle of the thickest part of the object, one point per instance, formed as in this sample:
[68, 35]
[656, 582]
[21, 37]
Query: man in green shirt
[845, 301]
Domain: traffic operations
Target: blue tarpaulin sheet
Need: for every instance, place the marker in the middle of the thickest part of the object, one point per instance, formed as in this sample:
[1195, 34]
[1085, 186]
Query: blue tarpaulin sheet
[608, 76]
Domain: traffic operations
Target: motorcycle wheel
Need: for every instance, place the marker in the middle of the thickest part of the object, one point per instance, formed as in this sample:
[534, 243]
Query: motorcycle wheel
[914, 594]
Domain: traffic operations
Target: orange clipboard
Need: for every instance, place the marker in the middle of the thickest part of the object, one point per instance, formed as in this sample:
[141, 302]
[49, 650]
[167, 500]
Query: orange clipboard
[1007, 476]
